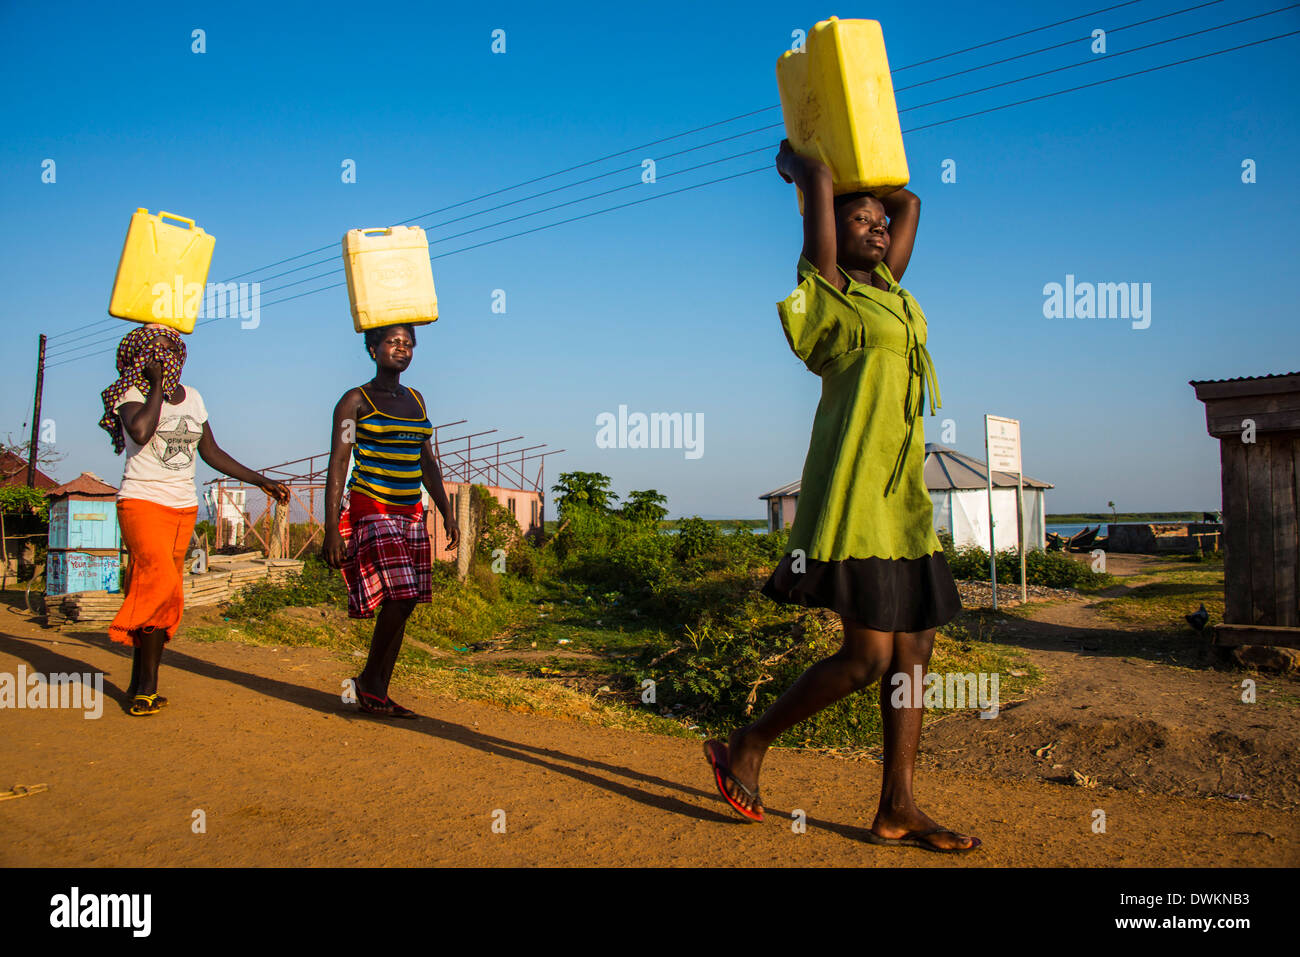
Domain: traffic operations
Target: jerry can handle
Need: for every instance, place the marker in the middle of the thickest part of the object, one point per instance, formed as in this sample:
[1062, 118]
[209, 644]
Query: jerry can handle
[183, 219]
[386, 230]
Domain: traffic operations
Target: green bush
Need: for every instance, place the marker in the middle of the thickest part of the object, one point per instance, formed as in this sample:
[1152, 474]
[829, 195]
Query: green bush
[637, 562]
[645, 506]
[495, 526]
[720, 667]
[585, 530]
[529, 561]
[21, 498]
[1050, 569]
[695, 538]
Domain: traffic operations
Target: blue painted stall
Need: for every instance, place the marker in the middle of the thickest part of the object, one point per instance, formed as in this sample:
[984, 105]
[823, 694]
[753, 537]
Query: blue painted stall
[71, 571]
[77, 523]
[85, 541]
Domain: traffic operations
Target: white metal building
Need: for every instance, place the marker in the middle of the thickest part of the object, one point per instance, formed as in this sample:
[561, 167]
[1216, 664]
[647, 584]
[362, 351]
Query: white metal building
[958, 490]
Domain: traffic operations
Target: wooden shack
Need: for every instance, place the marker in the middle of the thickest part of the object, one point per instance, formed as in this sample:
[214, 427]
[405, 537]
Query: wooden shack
[1257, 422]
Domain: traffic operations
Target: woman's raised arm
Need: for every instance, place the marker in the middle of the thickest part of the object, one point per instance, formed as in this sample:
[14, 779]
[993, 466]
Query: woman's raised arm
[903, 207]
[813, 177]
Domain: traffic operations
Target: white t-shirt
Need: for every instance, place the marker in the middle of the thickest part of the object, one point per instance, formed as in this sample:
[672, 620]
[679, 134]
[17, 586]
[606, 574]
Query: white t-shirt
[162, 470]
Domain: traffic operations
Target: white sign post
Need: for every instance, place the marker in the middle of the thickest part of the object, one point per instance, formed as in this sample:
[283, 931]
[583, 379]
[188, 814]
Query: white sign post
[1002, 452]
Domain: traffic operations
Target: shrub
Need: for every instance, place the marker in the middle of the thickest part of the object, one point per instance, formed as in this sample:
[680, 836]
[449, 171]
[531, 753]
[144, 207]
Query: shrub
[695, 538]
[585, 529]
[645, 506]
[726, 676]
[21, 498]
[495, 526]
[1051, 569]
[529, 561]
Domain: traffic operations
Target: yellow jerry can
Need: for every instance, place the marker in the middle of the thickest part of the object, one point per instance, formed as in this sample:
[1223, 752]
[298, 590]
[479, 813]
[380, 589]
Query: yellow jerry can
[390, 277]
[837, 99]
[163, 271]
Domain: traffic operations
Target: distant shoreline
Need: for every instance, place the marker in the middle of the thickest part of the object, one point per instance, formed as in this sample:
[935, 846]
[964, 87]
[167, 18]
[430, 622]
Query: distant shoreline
[1053, 519]
[1074, 518]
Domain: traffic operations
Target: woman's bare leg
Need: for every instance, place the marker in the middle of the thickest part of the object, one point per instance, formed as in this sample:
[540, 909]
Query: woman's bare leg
[390, 629]
[861, 660]
[898, 813]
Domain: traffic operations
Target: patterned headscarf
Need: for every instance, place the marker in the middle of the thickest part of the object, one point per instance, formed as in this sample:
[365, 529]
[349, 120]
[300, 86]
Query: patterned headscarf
[134, 352]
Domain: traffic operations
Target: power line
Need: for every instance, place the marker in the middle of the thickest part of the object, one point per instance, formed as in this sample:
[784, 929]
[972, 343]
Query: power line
[765, 167]
[75, 348]
[1056, 46]
[537, 212]
[1112, 79]
[1015, 36]
[642, 146]
[333, 259]
[69, 347]
[1071, 66]
[524, 199]
[113, 336]
[334, 246]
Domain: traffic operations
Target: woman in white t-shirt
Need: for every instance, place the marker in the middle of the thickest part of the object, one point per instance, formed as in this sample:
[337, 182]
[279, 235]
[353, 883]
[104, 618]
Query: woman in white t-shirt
[163, 428]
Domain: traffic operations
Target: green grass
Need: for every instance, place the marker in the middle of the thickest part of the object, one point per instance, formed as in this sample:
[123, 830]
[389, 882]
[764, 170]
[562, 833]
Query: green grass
[1161, 605]
[717, 651]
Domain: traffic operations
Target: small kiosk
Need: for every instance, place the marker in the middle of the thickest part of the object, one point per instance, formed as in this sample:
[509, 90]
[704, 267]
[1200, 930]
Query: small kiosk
[85, 543]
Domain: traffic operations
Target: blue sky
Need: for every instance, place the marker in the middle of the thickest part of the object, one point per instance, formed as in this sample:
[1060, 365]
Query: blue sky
[665, 306]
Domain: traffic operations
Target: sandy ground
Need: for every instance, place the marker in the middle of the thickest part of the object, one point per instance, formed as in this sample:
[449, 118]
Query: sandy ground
[284, 773]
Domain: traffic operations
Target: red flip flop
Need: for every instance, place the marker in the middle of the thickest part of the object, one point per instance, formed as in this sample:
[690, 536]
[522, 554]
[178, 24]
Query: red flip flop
[716, 753]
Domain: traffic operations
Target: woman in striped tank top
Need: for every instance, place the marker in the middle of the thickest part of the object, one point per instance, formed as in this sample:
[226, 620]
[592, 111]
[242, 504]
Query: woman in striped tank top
[381, 544]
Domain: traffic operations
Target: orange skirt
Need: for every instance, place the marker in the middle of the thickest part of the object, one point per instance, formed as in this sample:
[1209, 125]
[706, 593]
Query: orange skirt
[157, 538]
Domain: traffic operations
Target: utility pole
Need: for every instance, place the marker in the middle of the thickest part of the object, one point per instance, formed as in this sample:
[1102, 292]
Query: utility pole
[36, 415]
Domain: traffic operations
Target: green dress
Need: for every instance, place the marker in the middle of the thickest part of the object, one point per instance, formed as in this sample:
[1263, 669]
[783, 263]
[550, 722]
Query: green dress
[863, 541]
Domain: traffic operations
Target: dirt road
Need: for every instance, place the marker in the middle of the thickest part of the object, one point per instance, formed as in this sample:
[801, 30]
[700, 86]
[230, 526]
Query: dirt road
[283, 773]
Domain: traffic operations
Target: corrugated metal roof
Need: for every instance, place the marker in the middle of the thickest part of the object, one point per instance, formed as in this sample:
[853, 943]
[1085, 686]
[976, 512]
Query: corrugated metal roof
[1245, 378]
[947, 469]
[791, 489]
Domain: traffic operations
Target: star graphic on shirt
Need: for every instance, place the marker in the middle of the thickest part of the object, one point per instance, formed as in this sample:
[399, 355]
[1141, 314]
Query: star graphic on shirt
[178, 441]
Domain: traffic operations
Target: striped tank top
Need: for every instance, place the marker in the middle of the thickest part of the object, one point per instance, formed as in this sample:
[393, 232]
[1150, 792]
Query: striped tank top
[386, 458]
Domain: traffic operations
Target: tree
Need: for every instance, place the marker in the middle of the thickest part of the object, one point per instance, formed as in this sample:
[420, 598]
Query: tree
[46, 454]
[584, 488]
[645, 506]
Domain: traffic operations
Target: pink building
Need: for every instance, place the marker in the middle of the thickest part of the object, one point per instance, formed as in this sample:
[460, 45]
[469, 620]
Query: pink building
[525, 504]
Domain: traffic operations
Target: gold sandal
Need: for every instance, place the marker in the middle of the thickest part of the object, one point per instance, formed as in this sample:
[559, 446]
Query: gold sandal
[143, 704]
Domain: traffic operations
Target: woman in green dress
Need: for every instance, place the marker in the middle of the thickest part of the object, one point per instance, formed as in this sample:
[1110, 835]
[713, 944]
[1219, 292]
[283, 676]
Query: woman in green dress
[862, 542]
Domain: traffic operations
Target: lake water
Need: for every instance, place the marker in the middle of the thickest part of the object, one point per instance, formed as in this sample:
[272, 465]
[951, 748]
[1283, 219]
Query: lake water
[1068, 530]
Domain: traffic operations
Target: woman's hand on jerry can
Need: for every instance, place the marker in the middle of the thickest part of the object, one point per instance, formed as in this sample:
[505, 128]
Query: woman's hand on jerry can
[450, 526]
[786, 160]
[334, 550]
[797, 168]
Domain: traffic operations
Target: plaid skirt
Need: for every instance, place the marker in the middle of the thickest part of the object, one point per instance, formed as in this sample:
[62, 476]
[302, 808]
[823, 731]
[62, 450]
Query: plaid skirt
[388, 558]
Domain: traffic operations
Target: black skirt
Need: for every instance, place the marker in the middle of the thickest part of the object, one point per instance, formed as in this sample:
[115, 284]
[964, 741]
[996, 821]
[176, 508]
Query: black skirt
[904, 594]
